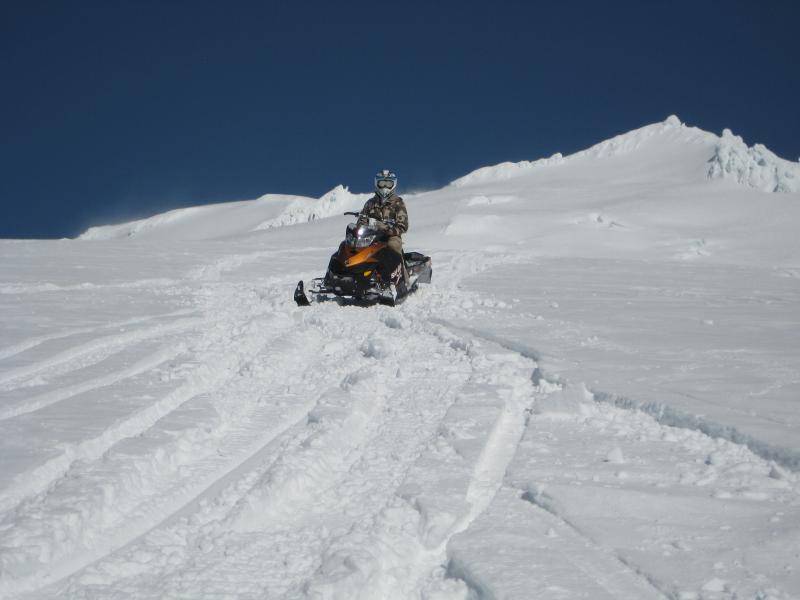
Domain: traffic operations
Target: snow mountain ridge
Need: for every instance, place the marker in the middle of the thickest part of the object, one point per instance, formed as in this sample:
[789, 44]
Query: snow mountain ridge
[596, 397]
[729, 158]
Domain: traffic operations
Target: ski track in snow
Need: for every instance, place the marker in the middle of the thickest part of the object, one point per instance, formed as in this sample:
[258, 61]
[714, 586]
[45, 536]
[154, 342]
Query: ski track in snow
[330, 452]
[90, 352]
[24, 345]
[46, 399]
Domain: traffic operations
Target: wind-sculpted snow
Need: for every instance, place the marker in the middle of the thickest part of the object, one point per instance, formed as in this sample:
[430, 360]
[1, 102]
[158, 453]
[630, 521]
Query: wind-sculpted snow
[215, 221]
[506, 170]
[199, 222]
[338, 200]
[729, 158]
[754, 166]
[595, 398]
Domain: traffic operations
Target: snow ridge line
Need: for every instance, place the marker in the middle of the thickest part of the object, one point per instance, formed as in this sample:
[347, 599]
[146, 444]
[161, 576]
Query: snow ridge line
[661, 412]
[666, 415]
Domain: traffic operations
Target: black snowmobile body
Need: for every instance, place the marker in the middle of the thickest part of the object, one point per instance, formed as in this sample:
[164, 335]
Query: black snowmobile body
[365, 271]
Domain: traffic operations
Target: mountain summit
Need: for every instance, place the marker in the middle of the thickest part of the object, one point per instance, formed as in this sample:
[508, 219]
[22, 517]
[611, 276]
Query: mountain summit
[666, 151]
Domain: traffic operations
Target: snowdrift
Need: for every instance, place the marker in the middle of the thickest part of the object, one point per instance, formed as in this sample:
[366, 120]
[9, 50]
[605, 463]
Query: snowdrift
[754, 166]
[227, 219]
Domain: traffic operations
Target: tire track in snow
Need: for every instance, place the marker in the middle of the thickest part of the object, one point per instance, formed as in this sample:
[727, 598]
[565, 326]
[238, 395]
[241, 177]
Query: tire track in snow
[304, 489]
[156, 512]
[266, 532]
[92, 352]
[30, 343]
[215, 365]
[221, 361]
[663, 413]
[620, 576]
[351, 441]
[666, 415]
[553, 559]
[49, 398]
[410, 536]
[407, 553]
[599, 562]
[39, 288]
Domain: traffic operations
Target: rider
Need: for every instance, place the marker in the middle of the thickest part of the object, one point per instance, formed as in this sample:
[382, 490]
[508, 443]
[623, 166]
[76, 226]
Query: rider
[387, 206]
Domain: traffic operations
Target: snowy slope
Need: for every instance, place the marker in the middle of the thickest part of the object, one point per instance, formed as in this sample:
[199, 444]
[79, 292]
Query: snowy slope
[214, 221]
[596, 398]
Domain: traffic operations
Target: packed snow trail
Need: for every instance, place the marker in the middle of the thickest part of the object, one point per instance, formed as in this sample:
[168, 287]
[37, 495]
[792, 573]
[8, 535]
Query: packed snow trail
[328, 452]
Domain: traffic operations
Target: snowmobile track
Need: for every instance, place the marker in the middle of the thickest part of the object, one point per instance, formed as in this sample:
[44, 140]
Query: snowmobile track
[276, 469]
[91, 352]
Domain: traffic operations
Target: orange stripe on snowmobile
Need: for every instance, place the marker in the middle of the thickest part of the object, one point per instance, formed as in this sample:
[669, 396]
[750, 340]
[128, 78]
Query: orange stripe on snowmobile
[362, 256]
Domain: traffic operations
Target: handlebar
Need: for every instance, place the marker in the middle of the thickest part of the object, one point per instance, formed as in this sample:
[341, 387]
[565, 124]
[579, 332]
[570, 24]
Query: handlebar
[390, 223]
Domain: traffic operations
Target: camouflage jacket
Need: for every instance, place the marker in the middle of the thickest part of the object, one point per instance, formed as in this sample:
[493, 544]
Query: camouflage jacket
[391, 209]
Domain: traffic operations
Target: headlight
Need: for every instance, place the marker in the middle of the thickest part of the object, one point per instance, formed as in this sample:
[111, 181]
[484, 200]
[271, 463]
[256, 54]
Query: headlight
[365, 241]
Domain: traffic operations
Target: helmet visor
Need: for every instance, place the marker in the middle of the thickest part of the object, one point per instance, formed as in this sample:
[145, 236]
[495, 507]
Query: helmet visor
[385, 184]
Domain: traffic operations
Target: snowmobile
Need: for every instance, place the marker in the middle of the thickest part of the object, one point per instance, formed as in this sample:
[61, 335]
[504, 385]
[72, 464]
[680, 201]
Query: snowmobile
[362, 270]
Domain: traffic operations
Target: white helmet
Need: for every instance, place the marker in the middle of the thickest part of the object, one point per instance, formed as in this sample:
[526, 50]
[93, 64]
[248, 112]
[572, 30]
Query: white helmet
[385, 183]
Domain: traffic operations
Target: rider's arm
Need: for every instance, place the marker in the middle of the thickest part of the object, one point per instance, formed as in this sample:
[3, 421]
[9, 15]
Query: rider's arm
[400, 219]
[363, 218]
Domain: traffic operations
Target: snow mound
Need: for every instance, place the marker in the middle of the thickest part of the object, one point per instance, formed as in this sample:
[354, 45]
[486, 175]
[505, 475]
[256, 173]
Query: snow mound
[753, 166]
[227, 219]
[198, 222]
[304, 210]
[618, 145]
[506, 170]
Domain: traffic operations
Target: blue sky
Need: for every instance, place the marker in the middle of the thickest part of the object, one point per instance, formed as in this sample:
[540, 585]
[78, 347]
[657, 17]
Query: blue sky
[116, 110]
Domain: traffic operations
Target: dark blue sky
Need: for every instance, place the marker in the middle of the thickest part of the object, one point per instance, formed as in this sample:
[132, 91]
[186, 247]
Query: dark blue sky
[114, 110]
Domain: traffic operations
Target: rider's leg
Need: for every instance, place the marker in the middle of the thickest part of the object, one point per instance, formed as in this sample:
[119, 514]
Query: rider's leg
[390, 266]
[395, 243]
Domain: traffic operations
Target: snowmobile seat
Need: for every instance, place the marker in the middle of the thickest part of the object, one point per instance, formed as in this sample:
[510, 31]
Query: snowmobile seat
[414, 258]
[418, 267]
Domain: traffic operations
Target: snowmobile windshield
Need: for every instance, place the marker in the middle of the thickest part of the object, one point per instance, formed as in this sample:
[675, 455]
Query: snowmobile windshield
[360, 237]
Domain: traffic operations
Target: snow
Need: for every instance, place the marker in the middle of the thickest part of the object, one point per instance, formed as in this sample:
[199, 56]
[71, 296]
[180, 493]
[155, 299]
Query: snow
[215, 221]
[623, 144]
[334, 202]
[595, 398]
[756, 166]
